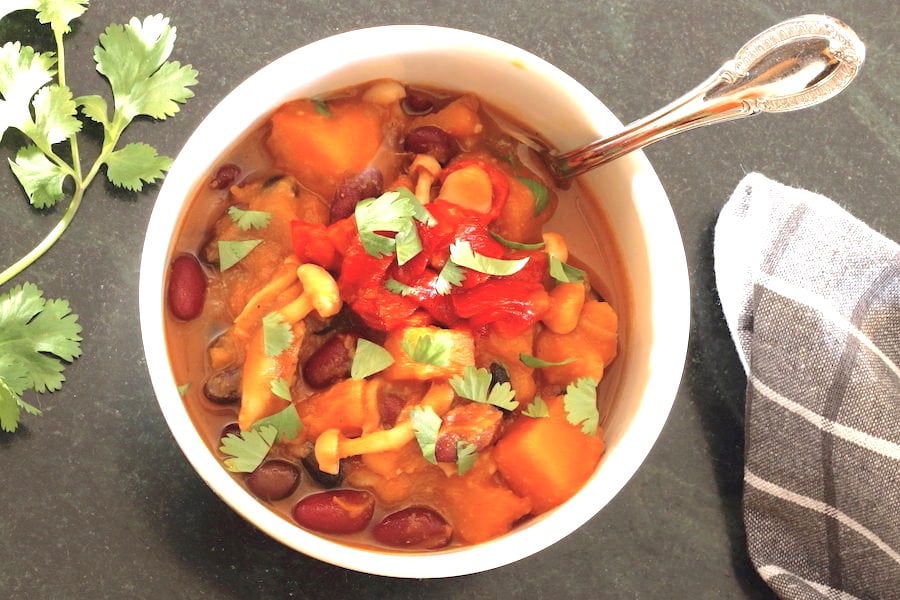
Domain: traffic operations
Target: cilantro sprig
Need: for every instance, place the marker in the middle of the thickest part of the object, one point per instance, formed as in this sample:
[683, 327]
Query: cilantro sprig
[580, 402]
[393, 212]
[37, 101]
[475, 385]
[37, 337]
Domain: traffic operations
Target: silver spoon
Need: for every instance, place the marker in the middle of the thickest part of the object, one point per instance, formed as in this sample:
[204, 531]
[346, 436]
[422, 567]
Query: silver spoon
[792, 65]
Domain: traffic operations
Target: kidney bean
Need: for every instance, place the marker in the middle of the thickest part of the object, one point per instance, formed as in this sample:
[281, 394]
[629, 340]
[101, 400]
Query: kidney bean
[326, 480]
[472, 422]
[337, 511]
[366, 184]
[231, 428]
[499, 374]
[186, 291]
[416, 527]
[273, 480]
[223, 387]
[431, 140]
[390, 405]
[416, 103]
[225, 177]
[330, 362]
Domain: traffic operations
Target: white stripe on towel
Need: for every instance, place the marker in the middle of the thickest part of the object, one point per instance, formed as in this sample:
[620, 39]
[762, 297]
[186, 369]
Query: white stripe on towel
[769, 572]
[852, 435]
[825, 308]
[818, 506]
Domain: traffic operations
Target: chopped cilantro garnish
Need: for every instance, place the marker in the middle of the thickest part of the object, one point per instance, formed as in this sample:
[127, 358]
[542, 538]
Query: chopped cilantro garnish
[392, 212]
[580, 402]
[465, 456]
[536, 409]
[37, 337]
[232, 252]
[564, 273]
[462, 254]
[281, 388]
[370, 358]
[321, 107]
[276, 333]
[451, 274]
[426, 424]
[183, 388]
[398, 287]
[286, 421]
[538, 191]
[247, 450]
[536, 363]
[516, 245]
[475, 385]
[427, 350]
[249, 219]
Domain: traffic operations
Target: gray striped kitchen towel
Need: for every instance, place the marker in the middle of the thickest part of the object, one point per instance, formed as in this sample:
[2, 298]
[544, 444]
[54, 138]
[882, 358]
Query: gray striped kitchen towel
[812, 298]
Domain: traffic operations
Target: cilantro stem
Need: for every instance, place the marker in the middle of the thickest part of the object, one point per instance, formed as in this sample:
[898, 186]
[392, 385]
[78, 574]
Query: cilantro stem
[61, 79]
[51, 238]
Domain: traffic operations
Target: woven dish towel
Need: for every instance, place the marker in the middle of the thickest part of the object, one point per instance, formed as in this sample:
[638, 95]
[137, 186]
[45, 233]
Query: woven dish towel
[812, 298]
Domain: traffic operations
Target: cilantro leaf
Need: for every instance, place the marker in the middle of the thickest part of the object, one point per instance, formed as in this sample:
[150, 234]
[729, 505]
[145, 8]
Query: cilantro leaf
[321, 107]
[451, 274]
[133, 58]
[22, 73]
[392, 212]
[536, 409]
[276, 333]
[426, 424]
[286, 422]
[427, 350]
[398, 287]
[280, 388]
[564, 273]
[249, 219]
[369, 358]
[232, 252]
[183, 388]
[580, 402]
[135, 164]
[475, 385]
[94, 107]
[41, 179]
[58, 13]
[54, 116]
[538, 192]
[536, 363]
[516, 245]
[462, 254]
[465, 456]
[37, 337]
[247, 450]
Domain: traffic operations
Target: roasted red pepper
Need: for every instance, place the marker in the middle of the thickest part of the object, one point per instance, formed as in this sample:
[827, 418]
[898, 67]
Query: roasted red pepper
[510, 306]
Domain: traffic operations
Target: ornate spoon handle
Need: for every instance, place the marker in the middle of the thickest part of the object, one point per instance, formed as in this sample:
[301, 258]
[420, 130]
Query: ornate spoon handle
[792, 65]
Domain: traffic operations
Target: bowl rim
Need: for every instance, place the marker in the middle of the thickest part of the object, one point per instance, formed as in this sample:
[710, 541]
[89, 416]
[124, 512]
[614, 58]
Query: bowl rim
[547, 529]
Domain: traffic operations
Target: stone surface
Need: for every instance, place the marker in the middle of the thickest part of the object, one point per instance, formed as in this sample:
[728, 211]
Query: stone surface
[96, 500]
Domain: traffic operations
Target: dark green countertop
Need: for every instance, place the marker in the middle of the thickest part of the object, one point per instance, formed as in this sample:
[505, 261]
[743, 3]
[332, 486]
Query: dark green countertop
[96, 499]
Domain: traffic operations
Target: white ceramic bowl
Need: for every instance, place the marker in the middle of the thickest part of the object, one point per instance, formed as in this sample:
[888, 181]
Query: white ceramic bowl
[652, 299]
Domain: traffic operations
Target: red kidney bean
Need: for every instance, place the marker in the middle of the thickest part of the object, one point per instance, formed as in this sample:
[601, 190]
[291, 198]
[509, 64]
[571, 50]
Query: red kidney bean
[273, 480]
[186, 287]
[231, 428]
[337, 511]
[225, 177]
[416, 527]
[330, 362]
[473, 422]
[431, 140]
[366, 184]
[223, 387]
[390, 405]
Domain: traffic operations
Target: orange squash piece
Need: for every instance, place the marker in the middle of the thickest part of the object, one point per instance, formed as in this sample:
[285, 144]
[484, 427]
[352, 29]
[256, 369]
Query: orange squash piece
[593, 343]
[319, 147]
[343, 406]
[459, 118]
[478, 506]
[547, 460]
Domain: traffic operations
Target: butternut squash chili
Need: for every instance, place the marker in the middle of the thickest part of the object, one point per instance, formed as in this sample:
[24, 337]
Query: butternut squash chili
[383, 313]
